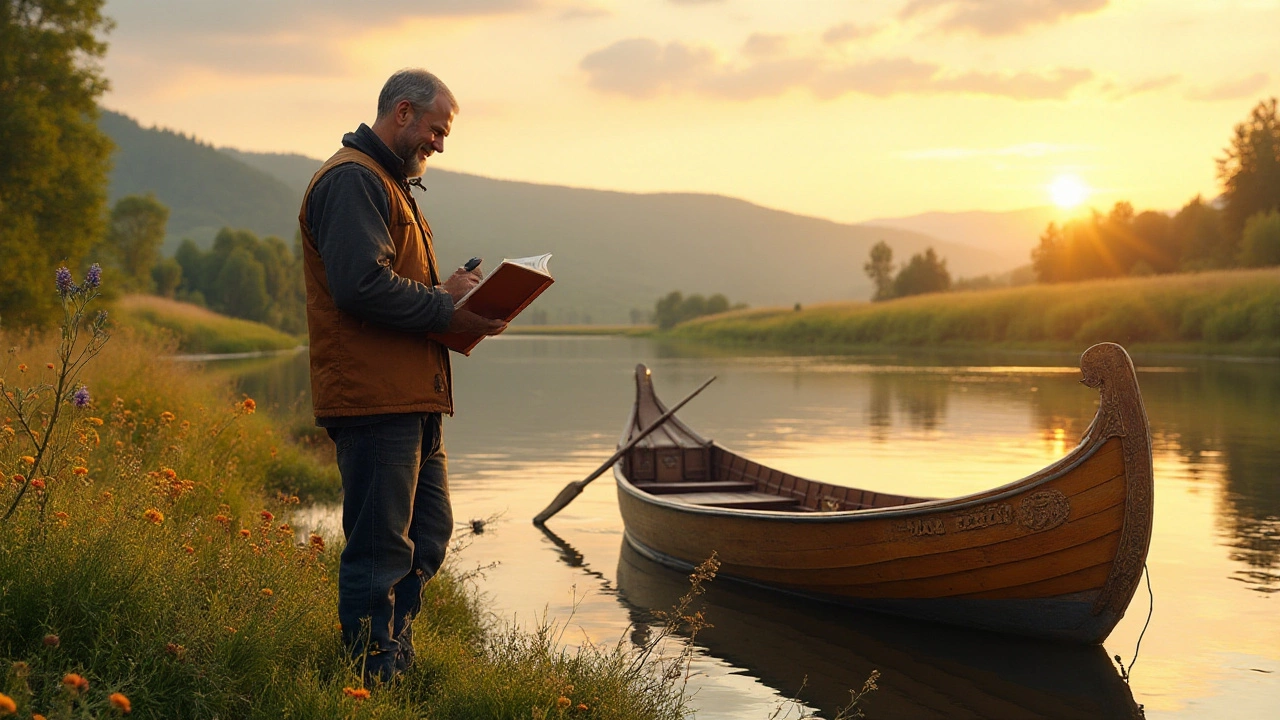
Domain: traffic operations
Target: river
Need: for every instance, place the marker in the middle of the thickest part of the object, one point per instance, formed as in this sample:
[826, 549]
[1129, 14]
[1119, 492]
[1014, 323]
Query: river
[535, 413]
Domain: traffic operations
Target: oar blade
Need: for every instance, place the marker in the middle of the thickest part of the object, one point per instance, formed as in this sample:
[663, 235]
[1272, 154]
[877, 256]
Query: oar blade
[566, 496]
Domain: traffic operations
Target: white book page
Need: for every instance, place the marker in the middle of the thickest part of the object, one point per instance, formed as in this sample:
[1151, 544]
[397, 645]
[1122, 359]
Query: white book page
[536, 263]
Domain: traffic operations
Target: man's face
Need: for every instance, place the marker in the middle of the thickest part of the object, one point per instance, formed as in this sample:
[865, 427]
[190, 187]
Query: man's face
[422, 136]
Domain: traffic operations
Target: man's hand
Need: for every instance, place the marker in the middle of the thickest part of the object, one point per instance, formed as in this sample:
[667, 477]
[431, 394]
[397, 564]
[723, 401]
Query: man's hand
[460, 282]
[466, 322]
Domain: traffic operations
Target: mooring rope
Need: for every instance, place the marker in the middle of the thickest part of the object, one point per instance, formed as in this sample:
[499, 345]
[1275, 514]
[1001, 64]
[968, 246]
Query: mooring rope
[1124, 671]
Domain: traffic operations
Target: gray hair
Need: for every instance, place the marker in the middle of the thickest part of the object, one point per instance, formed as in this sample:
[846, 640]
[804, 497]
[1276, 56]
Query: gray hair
[417, 86]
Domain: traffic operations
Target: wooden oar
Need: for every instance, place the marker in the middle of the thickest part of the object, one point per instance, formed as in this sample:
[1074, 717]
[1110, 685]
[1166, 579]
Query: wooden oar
[574, 489]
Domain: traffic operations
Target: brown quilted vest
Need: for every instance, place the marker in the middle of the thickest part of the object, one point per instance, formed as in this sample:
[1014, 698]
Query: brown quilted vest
[358, 368]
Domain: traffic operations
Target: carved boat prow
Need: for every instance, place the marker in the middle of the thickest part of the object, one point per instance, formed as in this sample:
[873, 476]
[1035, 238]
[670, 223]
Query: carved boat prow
[1057, 554]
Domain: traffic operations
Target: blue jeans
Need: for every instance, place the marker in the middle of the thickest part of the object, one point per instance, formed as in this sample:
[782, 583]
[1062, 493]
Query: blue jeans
[397, 520]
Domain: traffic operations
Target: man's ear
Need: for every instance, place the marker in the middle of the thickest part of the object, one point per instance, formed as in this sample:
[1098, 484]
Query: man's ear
[404, 112]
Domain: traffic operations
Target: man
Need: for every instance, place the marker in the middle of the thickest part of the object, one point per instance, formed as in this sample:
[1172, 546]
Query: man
[378, 384]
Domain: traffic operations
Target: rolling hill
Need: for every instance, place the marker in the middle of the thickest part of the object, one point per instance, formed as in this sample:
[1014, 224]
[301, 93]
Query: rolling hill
[614, 252]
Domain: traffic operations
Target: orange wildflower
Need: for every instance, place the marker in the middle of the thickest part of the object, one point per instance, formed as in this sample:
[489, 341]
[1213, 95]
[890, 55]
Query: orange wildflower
[37, 716]
[563, 702]
[168, 473]
[52, 640]
[167, 416]
[582, 707]
[80, 470]
[154, 515]
[266, 516]
[357, 693]
[188, 549]
[74, 683]
[249, 406]
[37, 484]
[22, 367]
[49, 365]
[7, 705]
[220, 518]
[19, 478]
[120, 702]
[94, 420]
[267, 592]
[61, 515]
[244, 532]
[28, 459]
[317, 542]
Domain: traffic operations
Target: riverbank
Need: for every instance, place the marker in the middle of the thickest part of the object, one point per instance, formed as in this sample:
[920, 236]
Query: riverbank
[196, 330]
[1216, 313]
[151, 563]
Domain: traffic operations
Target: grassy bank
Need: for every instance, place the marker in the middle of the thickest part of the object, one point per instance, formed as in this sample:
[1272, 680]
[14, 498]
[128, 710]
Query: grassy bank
[579, 330]
[150, 568]
[195, 329]
[1236, 312]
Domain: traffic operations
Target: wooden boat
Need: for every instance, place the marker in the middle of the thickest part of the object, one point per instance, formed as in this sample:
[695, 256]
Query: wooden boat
[1057, 554]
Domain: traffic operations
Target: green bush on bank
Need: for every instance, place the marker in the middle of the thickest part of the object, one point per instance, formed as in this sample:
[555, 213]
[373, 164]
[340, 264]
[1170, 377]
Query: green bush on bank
[152, 564]
[1237, 310]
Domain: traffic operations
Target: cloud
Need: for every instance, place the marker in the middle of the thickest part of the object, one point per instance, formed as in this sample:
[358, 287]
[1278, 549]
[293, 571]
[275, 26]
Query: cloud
[584, 12]
[643, 67]
[998, 17]
[847, 32]
[761, 45]
[252, 38]
[1232, 89]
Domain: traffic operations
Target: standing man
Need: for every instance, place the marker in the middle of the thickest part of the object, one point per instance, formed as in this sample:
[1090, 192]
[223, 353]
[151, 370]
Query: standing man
[378, 384]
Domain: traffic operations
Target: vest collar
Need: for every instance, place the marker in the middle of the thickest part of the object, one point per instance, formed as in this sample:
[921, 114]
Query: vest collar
[367, 141]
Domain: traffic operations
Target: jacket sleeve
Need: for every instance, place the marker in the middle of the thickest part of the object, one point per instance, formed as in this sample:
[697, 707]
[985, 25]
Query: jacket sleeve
[349, 213]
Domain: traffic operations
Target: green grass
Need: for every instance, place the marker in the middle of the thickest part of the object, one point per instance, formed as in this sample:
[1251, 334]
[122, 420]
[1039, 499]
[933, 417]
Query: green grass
[1218, 312]
[197, 330]
[163, 578]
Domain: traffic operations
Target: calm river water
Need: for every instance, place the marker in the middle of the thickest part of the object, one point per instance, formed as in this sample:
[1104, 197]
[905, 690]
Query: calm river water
[538, 412]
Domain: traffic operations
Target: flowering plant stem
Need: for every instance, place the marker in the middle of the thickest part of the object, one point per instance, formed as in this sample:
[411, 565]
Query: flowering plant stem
[28, 403]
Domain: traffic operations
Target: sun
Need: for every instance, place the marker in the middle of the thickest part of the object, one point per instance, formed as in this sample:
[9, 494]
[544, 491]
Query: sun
[1068, 191]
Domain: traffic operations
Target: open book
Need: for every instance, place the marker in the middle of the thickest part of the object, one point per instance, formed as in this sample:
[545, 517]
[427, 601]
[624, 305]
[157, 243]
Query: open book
[501, 295]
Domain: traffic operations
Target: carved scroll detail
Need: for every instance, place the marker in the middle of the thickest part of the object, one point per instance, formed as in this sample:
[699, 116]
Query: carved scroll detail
[1044, 510]
[1108, 368]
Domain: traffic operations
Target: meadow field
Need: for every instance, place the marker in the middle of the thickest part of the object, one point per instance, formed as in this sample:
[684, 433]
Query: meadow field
[194, 329]
[148, 566]
[1224, 312]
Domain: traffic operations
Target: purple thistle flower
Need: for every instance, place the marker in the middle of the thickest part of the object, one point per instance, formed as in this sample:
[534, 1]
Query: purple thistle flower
[81, 397]
[64, 281]
[94, 278]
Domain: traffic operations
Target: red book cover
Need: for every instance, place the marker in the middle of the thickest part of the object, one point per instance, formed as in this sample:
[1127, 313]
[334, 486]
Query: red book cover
[501, 295]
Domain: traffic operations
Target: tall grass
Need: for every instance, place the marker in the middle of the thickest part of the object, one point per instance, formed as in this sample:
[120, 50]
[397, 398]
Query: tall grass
[1220, 311]
[154, 565]
[196, 329]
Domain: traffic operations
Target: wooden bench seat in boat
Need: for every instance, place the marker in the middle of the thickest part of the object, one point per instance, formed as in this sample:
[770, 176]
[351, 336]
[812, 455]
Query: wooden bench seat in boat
[738, 500]
[668, 488]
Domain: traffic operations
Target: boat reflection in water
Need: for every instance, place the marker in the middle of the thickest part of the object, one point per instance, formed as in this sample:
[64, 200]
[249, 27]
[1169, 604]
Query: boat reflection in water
[926, 670]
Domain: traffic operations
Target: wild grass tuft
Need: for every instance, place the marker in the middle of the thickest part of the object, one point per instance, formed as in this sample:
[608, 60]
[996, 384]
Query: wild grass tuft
[194, 329]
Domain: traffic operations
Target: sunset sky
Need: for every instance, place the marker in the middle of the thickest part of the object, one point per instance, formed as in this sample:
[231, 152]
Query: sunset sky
[847, 110]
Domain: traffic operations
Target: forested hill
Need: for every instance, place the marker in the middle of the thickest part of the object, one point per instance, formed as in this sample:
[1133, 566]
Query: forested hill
[614, 252]
[204, 189]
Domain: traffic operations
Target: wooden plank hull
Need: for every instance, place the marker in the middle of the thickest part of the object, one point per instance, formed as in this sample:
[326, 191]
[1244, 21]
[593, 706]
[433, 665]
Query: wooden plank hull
[1055, 555]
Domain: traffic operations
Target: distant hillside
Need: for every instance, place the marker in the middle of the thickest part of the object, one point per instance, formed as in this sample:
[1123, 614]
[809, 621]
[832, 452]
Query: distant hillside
[204, 189]
[614, 252]
[1010, 235]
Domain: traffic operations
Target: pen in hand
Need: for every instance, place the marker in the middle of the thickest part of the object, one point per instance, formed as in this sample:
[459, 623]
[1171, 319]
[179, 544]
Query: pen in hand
[471, 264]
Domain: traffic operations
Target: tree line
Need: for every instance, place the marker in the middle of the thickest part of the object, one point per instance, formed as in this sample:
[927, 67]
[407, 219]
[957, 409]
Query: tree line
[674, 308]
[1241, 228]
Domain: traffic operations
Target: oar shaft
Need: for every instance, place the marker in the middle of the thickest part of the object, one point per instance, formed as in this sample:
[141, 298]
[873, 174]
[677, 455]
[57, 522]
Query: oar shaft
[574, 489]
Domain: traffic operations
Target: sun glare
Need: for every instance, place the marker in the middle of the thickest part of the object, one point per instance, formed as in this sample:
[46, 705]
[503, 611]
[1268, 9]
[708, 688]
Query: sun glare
[1068, 191]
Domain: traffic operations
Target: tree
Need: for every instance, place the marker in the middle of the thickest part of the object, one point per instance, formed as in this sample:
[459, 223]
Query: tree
[879, 268]
[53, 158]
[1199, 234]
[924, 273]
[1250, 170]
[167, 276]
[1260, 246]
[134, 237]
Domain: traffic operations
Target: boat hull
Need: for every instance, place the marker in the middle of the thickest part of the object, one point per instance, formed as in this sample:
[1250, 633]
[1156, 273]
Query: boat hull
[1055, 555]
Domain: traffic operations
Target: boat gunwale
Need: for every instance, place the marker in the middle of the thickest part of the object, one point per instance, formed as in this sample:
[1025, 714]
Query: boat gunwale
[1088, 448]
